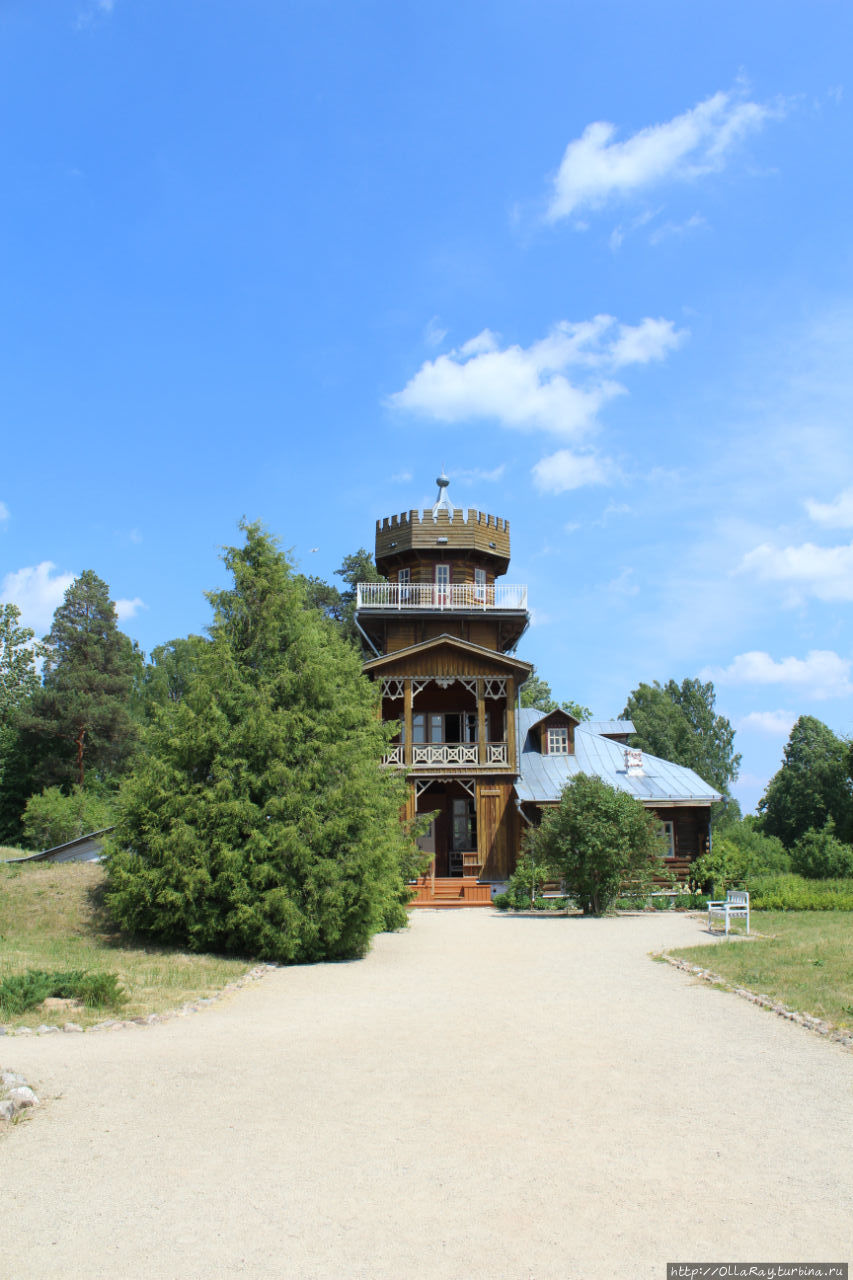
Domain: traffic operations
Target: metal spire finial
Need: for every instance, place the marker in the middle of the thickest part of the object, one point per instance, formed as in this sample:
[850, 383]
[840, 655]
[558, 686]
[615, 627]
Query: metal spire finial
[442, 502]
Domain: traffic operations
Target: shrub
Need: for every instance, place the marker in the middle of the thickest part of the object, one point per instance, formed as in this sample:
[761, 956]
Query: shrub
[743, 851]
[819, 855]
[52, 817]
[597, 841]
[23, 991]
[795, 893]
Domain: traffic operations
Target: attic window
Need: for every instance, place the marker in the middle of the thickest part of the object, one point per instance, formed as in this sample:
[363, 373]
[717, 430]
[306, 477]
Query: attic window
[558, 740]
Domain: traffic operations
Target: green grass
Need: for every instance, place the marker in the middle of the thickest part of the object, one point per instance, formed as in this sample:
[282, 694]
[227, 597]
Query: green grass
[52, 920]
[803, 959]
[7, 852]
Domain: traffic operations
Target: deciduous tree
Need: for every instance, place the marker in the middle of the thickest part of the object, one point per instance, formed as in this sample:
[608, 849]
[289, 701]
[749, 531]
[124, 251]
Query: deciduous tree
[597, 841]
[679, 723]
[812, 785]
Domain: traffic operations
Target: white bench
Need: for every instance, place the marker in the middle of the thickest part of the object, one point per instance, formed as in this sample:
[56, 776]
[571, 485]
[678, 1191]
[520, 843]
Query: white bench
[736, 904]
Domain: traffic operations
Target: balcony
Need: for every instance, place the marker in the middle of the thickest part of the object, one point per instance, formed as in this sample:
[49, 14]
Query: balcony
[460, 596]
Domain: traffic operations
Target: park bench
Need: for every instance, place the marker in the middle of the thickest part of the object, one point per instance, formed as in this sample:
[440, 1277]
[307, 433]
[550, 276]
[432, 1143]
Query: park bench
[736, 903]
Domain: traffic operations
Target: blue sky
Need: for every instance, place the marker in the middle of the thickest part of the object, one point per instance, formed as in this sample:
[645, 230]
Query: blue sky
[287, 260]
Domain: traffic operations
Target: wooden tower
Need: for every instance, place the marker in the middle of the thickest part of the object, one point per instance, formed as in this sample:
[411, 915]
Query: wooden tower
[442, 633]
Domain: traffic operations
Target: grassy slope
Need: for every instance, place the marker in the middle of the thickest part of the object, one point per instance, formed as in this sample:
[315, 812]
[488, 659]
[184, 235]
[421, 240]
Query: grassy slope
[802, 958]
[50, 918]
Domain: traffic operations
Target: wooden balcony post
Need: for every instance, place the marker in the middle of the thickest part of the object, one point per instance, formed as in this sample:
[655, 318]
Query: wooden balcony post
[510, 721]
[407, 720]
[481, 721]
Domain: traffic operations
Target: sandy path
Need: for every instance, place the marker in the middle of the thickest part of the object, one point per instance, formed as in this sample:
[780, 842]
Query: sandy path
[482, 1097]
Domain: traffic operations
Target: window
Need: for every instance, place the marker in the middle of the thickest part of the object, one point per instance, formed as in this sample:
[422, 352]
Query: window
[667, 834]
[558, 741]
[404, 578]
[480, 584]
[442, 583]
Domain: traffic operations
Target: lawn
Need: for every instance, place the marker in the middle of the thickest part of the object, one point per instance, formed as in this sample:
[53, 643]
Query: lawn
[51, 918]
[804, 959]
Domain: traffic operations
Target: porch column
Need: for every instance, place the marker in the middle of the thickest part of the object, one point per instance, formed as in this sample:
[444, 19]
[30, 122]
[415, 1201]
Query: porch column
[407, 721]
[481, 722]
[510, 721]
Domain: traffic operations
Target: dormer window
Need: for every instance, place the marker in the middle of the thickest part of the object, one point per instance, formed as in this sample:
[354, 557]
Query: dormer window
[558, 740]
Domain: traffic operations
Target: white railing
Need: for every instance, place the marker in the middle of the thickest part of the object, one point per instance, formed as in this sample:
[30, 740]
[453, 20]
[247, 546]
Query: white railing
[445, 753]
[430, 595]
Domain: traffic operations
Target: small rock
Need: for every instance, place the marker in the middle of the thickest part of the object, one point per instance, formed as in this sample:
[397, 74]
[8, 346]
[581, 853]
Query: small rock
[23, 1097]
[7, 1109]
[71, 1026]
[10, 1078]
[24, 1031]
[45, 1030]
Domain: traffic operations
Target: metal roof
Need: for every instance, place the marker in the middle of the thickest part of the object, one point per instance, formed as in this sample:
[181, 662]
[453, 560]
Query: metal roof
[542, 777]
[605, 727]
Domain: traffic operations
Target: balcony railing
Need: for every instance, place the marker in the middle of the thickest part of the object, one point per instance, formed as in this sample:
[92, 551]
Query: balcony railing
[447, 755]
[430, 595]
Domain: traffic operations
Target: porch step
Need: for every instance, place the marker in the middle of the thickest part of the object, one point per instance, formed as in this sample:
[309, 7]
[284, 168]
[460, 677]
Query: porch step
[450, 891]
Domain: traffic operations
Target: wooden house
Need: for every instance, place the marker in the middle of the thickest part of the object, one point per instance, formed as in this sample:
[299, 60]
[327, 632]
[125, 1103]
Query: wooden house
[440, 636]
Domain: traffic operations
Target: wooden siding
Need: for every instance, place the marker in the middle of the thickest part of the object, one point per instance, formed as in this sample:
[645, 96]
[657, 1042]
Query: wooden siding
[497, 823]
[416, 531]
[445, 661]
[461, 891]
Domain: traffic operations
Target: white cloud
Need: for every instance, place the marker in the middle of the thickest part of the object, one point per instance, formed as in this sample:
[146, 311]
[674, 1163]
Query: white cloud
[401, 477]
[822, 672]
[833, 515]
[37, 591]
[596, 168]
[777, 723]
[129, 608]
[528, 388]
[694, 223]
[565, 470]
[4, 512]
[97, 9]
[824, 572]
[434, 334]
[476, 475]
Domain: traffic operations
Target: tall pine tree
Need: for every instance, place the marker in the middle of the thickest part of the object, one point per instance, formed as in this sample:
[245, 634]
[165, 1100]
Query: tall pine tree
[259, 818]
[80, 718]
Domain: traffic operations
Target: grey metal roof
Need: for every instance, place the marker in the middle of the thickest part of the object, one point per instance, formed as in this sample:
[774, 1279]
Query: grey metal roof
[542, 777]
[609, 726]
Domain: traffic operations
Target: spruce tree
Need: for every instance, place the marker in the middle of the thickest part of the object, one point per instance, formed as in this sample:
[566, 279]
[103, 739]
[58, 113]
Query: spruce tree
[80, 718]
[259, 819]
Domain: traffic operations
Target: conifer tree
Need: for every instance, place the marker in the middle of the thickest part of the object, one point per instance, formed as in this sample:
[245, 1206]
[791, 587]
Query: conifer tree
[259, 818]
[18, 684]
[80, 717]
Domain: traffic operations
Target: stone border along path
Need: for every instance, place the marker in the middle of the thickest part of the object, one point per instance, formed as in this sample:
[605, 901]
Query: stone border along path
[806, 1020]
[16, 1095]
[481, 1098]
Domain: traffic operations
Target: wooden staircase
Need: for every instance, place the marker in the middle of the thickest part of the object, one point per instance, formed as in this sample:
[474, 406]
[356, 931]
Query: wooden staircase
[450, 891]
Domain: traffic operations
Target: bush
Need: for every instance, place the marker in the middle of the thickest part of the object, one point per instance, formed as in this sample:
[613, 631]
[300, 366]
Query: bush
[23, 991]
[741, 852]
[819, 855]
[794, 893]
[598, 842]
[524, 888]
[52, 817]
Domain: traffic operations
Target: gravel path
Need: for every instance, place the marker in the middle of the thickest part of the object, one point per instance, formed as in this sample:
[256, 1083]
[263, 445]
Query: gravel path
[484, 1096]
